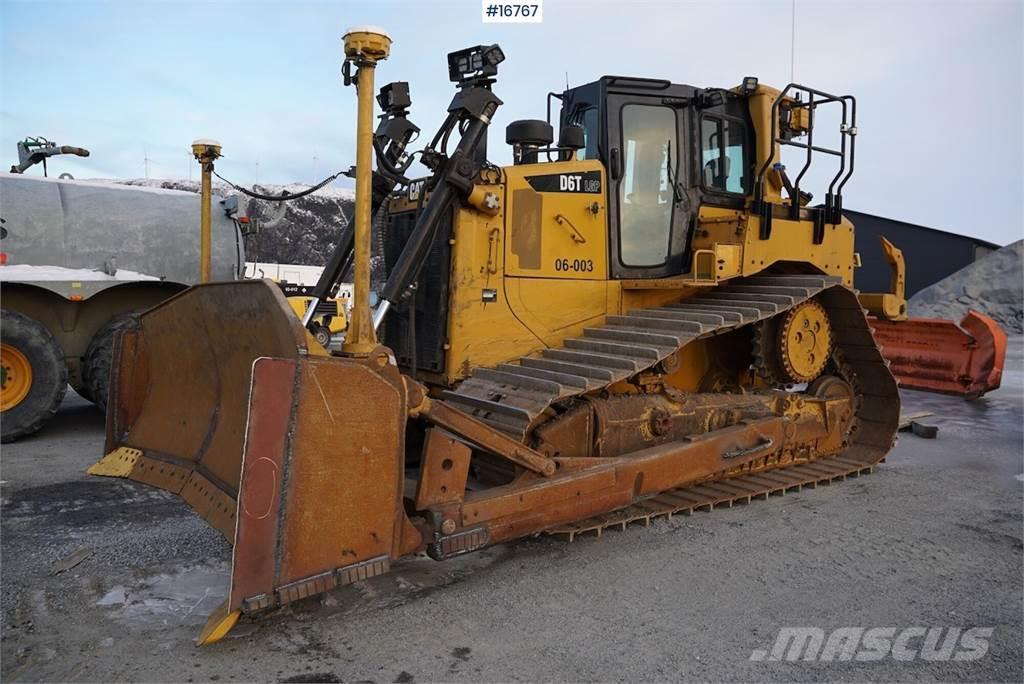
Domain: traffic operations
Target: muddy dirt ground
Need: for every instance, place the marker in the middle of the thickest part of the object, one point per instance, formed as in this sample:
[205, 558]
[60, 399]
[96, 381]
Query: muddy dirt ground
[108, 580]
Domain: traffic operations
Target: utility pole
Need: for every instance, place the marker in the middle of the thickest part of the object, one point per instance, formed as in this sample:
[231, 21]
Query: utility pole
[257, 180]
[145, 162]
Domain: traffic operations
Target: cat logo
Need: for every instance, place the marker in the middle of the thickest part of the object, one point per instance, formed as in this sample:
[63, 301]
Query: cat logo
[414, 190]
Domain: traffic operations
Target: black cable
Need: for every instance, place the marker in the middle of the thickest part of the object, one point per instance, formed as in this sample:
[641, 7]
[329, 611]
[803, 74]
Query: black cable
[446, 126]
[280, 198]
[444, 141]
[393, 168]
[238, 250]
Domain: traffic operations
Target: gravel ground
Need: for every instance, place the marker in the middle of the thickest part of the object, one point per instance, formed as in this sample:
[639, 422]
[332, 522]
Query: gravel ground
[107, 580]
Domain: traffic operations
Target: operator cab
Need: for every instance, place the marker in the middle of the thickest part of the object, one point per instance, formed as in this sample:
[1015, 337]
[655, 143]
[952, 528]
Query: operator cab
[667, 149]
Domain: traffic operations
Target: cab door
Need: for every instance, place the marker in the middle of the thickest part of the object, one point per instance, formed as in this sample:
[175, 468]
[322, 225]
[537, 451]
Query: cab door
[649, 208]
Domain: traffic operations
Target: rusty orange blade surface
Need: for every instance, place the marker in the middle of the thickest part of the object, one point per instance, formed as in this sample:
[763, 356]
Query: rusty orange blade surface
[296, 457]
[937, 355]
[179, 391]
[320, 503]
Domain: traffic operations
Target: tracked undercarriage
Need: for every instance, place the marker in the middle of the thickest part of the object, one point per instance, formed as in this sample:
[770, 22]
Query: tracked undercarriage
[565, 404]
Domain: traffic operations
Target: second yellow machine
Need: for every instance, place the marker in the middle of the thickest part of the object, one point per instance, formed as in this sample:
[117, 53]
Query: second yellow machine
[647, 317]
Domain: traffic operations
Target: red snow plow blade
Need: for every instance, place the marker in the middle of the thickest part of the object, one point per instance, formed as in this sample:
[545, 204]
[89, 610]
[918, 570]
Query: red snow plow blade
[937, 355]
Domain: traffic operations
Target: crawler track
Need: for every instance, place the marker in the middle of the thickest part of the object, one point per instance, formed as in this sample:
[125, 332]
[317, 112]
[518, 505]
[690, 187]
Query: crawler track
[515, 397]
[726, 492]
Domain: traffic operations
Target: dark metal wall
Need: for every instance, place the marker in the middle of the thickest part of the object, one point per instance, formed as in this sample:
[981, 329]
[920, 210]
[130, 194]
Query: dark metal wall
[931, 254]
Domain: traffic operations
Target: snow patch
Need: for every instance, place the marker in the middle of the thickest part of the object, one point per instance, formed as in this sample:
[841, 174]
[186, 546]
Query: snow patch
[99, 182]
[223, 189]
[26, 272]
[175, 186]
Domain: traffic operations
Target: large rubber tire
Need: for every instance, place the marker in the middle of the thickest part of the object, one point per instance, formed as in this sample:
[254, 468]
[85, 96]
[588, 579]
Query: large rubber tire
[99, 358]
[80, 388]
[323, 335]
[49, 380]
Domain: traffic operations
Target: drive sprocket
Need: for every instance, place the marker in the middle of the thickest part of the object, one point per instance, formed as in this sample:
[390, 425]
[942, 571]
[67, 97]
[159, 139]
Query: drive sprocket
[794, 346]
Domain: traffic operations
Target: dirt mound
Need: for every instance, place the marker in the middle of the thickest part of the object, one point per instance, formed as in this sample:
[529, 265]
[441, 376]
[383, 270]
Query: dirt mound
[993, 286]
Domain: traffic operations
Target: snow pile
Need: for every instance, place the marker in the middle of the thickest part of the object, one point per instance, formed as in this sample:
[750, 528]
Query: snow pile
[25, 272]
[993, 286]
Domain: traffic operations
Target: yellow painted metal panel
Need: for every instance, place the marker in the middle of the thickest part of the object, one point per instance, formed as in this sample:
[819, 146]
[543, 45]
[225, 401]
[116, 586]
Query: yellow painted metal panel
[482, 328]
[560, 230]
[554, 309]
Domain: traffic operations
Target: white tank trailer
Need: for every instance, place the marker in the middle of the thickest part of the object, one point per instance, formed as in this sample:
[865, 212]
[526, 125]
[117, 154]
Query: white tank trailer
[81, 260]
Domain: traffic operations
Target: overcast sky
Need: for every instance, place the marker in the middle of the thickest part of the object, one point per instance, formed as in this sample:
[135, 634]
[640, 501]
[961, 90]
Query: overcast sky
[938, 83]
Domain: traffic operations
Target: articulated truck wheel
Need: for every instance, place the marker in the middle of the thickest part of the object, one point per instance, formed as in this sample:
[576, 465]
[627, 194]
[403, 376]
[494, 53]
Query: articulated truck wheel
[323, 335]
[33, 376]
[99, 358]
[80, 388]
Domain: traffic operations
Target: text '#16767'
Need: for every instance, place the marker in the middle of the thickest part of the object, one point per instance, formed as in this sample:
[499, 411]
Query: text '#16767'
[512, 13]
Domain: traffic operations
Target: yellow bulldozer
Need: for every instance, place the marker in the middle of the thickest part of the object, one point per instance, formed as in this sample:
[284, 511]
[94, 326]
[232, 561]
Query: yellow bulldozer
[647, 317]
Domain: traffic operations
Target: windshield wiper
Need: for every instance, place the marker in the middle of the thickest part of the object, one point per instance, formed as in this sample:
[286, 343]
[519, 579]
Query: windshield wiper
[677, 196]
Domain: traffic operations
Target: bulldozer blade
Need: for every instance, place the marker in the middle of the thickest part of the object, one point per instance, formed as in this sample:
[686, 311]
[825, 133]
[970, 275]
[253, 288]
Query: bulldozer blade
[176, 416]
[320, 500]
[296, 457]
[937, 355]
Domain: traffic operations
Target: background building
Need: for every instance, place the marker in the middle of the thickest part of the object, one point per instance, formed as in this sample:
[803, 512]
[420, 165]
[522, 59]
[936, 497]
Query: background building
[931, 254]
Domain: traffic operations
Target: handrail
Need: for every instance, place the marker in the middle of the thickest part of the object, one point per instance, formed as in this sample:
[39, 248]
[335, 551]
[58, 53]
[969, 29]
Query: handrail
[847, 128]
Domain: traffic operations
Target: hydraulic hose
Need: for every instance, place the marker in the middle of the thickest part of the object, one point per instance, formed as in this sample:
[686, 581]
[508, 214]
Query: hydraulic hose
[280, 198]
[415, 250]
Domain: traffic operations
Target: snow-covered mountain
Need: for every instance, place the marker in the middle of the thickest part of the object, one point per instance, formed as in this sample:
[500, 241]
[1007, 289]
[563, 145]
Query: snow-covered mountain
[301, 231]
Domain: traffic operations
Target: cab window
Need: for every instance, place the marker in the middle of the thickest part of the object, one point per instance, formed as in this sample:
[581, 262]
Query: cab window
[722, 155]
[645, 191]
[588, 120]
